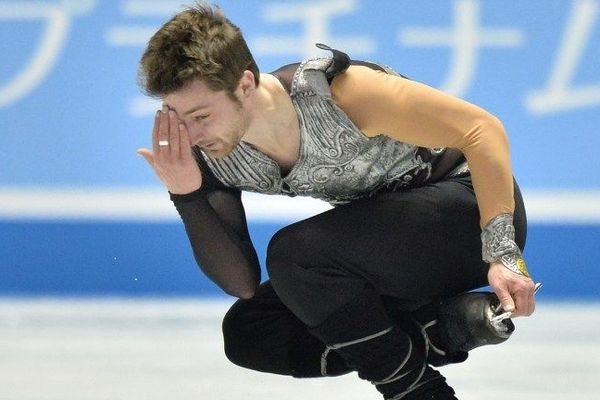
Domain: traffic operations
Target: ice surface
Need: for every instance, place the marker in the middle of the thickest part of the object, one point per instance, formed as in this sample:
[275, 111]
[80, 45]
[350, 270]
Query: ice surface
[105, 349]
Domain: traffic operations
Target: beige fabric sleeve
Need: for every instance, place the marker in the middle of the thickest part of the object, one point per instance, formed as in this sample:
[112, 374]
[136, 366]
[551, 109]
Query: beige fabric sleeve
[411, 112]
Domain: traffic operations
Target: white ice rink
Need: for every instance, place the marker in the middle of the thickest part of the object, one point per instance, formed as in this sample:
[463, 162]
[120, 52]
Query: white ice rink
[78, 349]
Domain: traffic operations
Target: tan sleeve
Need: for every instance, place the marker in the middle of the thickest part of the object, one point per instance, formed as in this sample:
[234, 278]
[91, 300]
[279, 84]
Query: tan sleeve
[411, 112]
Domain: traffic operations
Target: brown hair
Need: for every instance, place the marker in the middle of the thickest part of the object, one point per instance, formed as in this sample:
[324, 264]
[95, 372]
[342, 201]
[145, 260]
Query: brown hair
[197, 43]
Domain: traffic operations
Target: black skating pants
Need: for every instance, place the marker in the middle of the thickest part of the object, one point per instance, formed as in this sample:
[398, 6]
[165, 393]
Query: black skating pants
[410, 247]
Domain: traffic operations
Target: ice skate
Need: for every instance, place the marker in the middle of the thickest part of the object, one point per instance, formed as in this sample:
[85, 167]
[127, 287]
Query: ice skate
[453, 327]
[470, 320]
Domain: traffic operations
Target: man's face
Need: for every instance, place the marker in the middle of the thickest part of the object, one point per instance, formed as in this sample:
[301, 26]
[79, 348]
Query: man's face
[215, 121]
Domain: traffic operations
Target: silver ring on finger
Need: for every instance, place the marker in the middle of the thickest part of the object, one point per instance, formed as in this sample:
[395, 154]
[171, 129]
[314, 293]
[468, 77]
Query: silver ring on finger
[163, 142]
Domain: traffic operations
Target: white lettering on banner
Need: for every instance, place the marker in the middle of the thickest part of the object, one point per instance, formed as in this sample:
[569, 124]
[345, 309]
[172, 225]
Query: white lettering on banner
[137, 35]
[315, 18]
[559, 95]
[465, 38]
[57, 18]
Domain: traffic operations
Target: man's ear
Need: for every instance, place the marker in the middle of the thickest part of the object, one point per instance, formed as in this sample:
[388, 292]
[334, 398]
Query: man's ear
[247, 83]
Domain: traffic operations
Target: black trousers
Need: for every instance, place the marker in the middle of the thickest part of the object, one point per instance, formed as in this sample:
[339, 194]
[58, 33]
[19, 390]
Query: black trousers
[410, 247]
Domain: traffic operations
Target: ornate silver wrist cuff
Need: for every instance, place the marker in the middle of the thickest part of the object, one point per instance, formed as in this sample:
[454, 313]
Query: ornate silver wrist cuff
[498, 244]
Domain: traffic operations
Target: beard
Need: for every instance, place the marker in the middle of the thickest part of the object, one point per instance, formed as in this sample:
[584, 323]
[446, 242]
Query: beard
[228, 142]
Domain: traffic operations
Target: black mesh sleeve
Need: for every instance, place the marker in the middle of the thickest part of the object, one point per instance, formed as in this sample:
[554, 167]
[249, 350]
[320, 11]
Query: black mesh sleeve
[215, 223]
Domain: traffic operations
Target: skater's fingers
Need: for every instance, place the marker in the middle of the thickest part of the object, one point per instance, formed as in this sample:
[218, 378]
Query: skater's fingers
[148, 156]
[500, 281]
[174, 134]
[163, 133]
[185, 142]
[521, 304]
[523, 290]
[531, 302]
[514, 291]
[505, 298]
[155, 146]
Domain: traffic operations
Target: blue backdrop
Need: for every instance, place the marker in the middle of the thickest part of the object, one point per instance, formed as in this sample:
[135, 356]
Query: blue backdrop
[71, 117]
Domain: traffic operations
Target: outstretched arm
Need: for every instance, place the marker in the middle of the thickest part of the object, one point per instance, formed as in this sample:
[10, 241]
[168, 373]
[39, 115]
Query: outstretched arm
[411, 112]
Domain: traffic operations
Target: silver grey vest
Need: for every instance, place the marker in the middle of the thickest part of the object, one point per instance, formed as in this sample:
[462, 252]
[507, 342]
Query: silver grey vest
[337, 162]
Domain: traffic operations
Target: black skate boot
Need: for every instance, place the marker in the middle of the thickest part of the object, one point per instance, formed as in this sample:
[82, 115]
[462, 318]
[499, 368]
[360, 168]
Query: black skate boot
[455, 326]
[470, 320]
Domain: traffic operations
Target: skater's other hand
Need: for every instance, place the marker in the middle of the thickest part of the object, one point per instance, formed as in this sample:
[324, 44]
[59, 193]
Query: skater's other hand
[171, 156]
[516, 292]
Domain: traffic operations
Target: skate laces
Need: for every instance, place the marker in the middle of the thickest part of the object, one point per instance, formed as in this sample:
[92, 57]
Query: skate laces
[394, 376]
[428, 343]
[417, 383]
[336, 346]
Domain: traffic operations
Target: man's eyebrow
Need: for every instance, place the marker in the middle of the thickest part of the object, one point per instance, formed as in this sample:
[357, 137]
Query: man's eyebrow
[194, 109]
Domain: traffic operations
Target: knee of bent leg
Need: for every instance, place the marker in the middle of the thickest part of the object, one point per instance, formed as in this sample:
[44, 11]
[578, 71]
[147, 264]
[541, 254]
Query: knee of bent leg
[235, 335]
[298, 244]
[249, 338]
[283, 244]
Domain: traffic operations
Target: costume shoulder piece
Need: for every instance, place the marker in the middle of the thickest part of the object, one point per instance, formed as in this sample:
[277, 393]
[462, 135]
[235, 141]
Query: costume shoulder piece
[339, 62]
[314, 75]
[337, 65]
